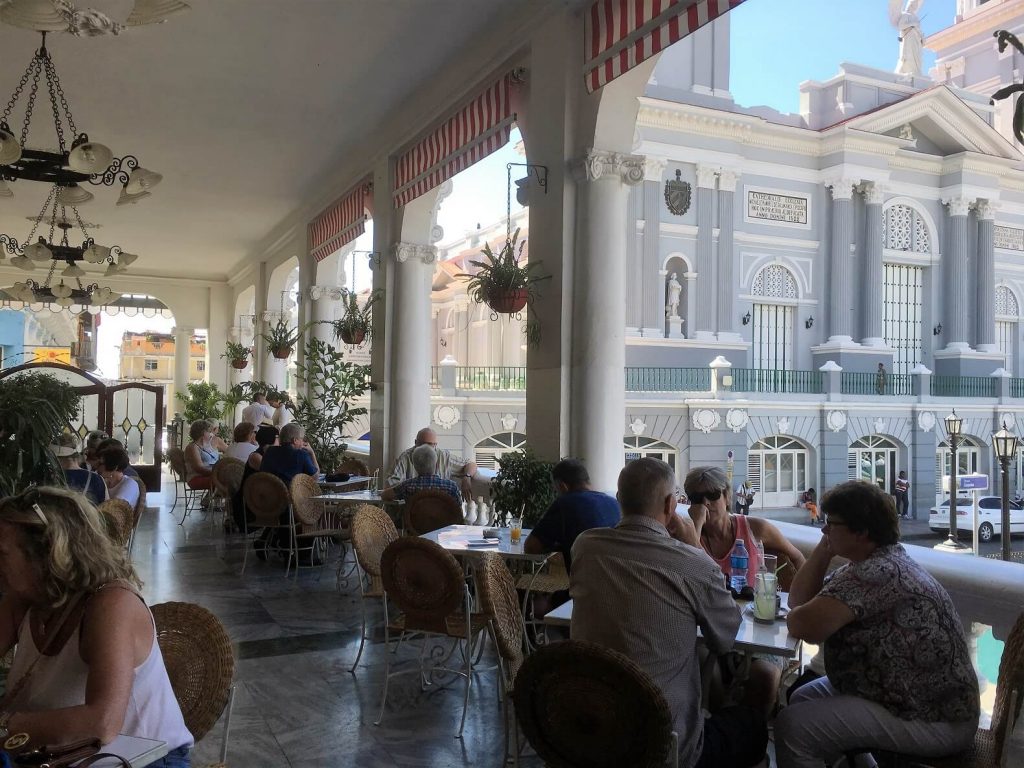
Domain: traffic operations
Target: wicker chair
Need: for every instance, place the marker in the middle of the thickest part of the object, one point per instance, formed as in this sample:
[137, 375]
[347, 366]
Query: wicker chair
[372, 532]
[582, 705]
[354, 466]
[428, 585]
[140, 508]
[266, 497]
[200, 664]
[118, 514]
[176, 458]
[318, 527]
[499, 602]
[548, 577]
[227, 479]
[426, 511]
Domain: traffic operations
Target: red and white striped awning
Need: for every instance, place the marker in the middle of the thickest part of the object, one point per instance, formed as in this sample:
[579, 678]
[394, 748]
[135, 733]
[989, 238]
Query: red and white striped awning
[472, 133]
[340, 224]
[619, 34]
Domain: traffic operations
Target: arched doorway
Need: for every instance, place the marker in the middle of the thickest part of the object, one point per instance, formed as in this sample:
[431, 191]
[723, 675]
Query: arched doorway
[908, 246]
[874, 460]
[490, 449]
[773, 312]
[641, 447]
[777, 470]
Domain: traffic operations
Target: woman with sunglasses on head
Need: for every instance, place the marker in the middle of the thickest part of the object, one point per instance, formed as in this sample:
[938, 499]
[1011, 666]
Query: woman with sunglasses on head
[718, 530]
[87, 663]
[898, 671]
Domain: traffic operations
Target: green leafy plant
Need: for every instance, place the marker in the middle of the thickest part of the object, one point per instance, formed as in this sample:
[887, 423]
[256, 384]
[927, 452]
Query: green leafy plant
[327, 412]
[201, 400]
[357, 322]
[235, 351]
[35, 409]
[281, 338]
[523, 483]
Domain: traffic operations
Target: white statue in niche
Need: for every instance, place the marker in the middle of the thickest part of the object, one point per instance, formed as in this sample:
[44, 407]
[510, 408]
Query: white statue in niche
[904, 15]
[674, 290]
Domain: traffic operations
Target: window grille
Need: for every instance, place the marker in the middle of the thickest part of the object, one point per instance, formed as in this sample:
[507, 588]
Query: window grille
[1006, 302]
[906, 230]
[775, 281]
[901, 314]
[490, 449]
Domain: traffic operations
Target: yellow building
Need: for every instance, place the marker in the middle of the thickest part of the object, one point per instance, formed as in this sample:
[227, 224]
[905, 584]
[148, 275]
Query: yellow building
[150, 357]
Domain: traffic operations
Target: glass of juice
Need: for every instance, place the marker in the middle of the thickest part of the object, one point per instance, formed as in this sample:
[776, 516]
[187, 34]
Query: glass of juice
[515, 529]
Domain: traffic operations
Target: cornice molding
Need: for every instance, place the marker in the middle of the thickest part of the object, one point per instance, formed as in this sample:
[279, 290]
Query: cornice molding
[598, 163]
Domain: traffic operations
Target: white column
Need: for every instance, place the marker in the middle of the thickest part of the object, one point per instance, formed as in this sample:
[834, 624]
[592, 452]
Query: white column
[598, 350]
[691, 304]
[986, 299]
[410, 339]
[275, 371]
[182, 357]
[958, 276]
[324, 300]
[841, 266]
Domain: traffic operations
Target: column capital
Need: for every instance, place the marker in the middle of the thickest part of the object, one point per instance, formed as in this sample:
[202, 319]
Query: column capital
[598, 163]
[416, 251]
[958, 206]
[842, 188]
[329, 292]
[654, 168]
[706, 176]
[727, 178]
[271, 316]
[987, 210]
[874, 193]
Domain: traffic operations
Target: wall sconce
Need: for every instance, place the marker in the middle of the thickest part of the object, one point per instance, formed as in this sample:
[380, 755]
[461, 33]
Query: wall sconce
[444, 343]
[746, 318]
[937, 330]
[809, 322]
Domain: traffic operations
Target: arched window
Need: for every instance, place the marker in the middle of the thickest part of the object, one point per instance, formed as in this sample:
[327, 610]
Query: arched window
[772, 332]
[641, 447]
[777, 470]
[1007, 315]
[491, 448]
[906, 230]
[873, 458]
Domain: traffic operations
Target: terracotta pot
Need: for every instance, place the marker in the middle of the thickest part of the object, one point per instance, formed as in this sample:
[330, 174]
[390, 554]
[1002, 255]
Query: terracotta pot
[353, 336]
[508, 302]
[240, 363]
[282, 354]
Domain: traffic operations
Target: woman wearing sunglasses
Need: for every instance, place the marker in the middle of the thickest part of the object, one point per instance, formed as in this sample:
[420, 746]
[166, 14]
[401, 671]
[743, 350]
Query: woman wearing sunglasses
[87, 663]
[718, 530]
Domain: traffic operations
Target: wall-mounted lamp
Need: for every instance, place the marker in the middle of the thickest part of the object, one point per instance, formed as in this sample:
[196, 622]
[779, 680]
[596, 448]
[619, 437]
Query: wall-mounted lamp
[809, 322]
[937, 330]
[746, 319]
[444, 343]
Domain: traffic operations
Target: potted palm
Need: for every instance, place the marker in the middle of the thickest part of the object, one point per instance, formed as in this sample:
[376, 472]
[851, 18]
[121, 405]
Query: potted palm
[238, 354]
[503, 282]
[356, 325]
[281, 339]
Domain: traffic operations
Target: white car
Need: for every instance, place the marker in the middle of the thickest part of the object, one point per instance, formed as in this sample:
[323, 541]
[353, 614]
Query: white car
[989, 516]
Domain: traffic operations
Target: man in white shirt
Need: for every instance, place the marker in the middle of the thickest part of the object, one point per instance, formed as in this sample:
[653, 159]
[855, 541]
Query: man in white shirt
[281, 415]
[449, 466]
[259, 412]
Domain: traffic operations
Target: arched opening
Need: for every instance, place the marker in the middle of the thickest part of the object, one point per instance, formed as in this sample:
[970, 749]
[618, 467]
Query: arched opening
[1007, 319]
[649, 447]
[777, 470]
[907, 243]
[773, 318]
[490, 449]
[874, 459]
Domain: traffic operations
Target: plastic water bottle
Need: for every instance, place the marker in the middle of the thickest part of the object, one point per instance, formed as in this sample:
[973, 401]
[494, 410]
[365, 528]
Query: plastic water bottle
[738, 566]
[484, 513]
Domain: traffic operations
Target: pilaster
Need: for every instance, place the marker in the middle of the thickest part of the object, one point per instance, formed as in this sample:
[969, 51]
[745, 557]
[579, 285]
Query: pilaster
[986, 275]
[958, 275]
[726, 323]
[704, 298]
[841, 272]
[874, 269]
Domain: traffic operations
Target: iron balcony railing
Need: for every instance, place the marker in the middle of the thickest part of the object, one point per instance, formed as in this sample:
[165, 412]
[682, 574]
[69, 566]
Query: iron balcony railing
[435, 376]
[964, 386]
[491, 377]
[851, 383]
[765, 380]
[1016, 387]
[668, 379]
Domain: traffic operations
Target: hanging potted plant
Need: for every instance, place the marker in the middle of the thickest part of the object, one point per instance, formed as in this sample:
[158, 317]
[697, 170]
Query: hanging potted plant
[281, 339]
[238, 354]
[503, 282]
[356, 325]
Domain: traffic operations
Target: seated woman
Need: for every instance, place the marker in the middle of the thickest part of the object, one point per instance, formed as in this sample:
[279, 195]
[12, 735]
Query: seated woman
[113, 462]
[245, 441]
[202, 453]
[87, 663]
[899, 675]
[718, 531]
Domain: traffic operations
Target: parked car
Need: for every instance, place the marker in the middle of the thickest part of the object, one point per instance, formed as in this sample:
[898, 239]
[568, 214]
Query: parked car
[989, 516]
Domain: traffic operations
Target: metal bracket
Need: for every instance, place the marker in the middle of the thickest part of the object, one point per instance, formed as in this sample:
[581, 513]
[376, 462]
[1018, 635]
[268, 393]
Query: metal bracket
[541, 172]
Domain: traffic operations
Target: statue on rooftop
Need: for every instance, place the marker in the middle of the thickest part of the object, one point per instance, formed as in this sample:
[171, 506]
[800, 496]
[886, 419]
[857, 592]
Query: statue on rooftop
[905, 16]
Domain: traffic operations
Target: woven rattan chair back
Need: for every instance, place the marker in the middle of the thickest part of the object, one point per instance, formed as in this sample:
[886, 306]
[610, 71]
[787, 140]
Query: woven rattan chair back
[119, 517]
[501, 604]
[426, 511]
[176, 458]
[307, 511]
[266, 497]
[424, 581]
[372, 532]
[1011, 677]
[140, 505]
[354, 467]
[227, 476]
[200, 663]
[585, 706]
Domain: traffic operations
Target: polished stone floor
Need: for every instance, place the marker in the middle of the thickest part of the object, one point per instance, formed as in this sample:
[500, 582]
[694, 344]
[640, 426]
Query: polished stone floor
[296, 703]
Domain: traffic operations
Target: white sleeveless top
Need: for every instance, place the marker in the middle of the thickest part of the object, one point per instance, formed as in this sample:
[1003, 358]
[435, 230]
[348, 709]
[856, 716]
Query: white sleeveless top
[59, 681]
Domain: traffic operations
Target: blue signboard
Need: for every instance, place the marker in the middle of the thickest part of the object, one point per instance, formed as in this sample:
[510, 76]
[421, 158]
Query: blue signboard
[972, 482]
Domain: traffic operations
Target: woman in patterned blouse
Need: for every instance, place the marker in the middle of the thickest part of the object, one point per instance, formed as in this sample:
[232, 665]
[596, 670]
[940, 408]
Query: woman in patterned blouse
[898, 673]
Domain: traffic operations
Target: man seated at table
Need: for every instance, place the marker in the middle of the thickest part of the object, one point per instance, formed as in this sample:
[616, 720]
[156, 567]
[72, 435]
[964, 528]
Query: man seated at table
[424, 462]
[643, 588]
[449, 466]
[292, 457]
[83, 480]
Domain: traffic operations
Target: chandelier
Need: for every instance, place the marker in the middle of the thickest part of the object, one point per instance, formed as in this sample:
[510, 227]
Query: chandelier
[63, 16]
[57, 250]
[72, 164]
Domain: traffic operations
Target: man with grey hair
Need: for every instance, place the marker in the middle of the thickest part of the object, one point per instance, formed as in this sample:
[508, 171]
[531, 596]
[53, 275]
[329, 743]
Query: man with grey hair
[292, 457]
[424, 462]
[643, 588]
[449, 466]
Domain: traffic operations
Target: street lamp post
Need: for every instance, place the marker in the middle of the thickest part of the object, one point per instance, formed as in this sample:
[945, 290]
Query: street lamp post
[954, 425]
[1005, 446]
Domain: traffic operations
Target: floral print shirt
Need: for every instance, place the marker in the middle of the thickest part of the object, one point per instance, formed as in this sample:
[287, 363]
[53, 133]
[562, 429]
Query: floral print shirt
[905, 648]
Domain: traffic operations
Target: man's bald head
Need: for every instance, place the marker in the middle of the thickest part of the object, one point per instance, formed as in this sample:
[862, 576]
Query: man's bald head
[644, 485]
[426, 436]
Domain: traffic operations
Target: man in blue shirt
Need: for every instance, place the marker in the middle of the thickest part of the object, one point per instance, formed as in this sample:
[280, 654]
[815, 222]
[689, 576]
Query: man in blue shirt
[577, 509]
[83, 480]
[292, 457]
[424, 461]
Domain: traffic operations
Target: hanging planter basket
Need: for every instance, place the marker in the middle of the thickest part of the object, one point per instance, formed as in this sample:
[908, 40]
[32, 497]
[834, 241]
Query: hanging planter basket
[352, 336]
[282, 353]
[509, 301]
[239, 364]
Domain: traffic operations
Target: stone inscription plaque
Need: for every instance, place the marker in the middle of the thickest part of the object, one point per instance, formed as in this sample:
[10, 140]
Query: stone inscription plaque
[1008, 238]
[771, 207]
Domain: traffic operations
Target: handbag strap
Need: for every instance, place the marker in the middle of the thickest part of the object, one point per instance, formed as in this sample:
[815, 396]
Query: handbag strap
[103, 756]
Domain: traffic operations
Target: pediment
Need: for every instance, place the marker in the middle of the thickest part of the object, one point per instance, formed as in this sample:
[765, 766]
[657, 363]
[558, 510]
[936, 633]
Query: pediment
[940, 122]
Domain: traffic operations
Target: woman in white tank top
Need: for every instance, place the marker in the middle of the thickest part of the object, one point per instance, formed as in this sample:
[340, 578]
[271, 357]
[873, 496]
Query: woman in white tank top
[87, 664]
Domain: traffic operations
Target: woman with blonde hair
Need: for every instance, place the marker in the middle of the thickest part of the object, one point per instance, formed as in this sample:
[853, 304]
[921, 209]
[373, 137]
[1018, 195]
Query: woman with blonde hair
[87, 663]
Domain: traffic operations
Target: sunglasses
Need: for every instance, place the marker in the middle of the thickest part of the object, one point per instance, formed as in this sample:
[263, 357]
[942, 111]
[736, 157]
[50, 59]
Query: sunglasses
[700, 498]
[831, 521]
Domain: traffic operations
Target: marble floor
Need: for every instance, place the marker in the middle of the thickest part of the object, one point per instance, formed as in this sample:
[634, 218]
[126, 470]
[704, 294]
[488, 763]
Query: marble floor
[296, 704]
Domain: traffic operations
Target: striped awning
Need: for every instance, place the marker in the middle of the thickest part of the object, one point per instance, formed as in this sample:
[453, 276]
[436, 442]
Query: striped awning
[619, 34]
[340, 224]
[472, 133]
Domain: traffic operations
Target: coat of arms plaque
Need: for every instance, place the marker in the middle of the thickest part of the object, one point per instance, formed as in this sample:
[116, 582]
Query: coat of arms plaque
[677, 195]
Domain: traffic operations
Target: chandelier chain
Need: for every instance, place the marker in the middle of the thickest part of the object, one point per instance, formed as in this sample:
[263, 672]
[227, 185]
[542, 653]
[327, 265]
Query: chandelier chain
[508, 204]
[53, 220]
[30, 105]
[52, 69]
[35, 224]
[19, 90]
[81, 224]
[53, 105]
[49, 275]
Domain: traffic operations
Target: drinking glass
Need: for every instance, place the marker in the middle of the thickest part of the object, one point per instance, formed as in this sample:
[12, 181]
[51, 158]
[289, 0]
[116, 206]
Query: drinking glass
[765, 591]
[515, 529]
[771, 563]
